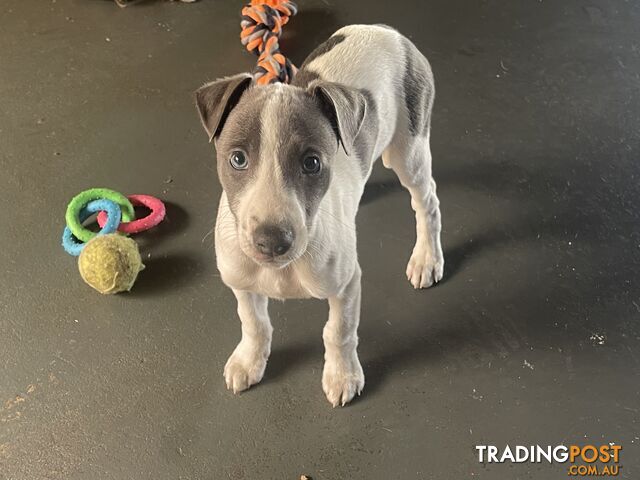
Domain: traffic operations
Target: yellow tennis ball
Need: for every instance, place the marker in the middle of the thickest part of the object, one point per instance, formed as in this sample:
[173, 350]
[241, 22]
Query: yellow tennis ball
[110, 263]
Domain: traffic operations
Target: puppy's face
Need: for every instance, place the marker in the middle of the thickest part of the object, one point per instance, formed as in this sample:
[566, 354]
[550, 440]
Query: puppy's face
[275, 147]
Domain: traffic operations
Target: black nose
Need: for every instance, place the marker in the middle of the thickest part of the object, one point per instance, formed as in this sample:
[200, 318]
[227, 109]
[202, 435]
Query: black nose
[272, 240]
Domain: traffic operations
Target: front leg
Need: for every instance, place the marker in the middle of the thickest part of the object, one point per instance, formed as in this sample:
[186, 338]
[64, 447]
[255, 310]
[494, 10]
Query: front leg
[246, 364]
[342, 377]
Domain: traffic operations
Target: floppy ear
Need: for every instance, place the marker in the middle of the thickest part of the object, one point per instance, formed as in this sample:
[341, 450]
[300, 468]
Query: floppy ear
[346, 108]
[216, 99]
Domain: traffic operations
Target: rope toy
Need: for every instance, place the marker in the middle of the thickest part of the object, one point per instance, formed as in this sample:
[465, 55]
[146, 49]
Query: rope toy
[262, 22]
[108, 261]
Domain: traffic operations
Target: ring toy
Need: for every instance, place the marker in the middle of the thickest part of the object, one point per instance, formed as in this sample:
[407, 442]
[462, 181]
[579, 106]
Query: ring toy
[75, 206]
[70, 243]
[157, 214]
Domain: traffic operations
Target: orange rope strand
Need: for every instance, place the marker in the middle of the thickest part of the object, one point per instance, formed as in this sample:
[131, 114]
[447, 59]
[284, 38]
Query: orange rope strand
[262, 22]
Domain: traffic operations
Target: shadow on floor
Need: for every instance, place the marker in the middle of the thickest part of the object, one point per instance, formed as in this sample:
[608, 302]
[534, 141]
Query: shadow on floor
[167, 273]
[545, 210]
[375, 190]
[175, 221]
[290, 357]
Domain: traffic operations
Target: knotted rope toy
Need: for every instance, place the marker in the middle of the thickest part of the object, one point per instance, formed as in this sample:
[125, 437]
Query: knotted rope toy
[262, 22]
[108, 260]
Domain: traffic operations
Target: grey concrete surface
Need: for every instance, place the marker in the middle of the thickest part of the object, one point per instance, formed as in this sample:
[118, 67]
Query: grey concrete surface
[532, 337]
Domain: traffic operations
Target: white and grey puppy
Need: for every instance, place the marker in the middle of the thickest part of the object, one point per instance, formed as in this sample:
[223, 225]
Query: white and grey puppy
[293, 161]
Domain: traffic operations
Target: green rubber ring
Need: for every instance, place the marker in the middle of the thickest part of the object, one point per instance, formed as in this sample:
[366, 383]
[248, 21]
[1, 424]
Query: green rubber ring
[80, 200]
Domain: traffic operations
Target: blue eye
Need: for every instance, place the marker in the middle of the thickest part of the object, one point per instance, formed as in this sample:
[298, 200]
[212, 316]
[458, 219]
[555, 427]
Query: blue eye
[238, 160]
[311, 165]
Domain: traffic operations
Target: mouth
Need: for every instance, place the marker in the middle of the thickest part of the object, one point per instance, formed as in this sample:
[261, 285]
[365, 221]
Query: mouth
[264, 260]
[268, 261]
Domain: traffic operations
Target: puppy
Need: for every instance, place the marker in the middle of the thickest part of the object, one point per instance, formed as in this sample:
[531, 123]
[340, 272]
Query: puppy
[293, 161]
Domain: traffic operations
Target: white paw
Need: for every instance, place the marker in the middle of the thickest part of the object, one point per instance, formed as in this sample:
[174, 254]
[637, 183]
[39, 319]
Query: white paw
[245, 367]
[341, 381]
[423, 270]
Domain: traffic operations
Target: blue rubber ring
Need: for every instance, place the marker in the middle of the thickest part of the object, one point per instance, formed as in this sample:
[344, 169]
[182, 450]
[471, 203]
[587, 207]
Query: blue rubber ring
[71, 244]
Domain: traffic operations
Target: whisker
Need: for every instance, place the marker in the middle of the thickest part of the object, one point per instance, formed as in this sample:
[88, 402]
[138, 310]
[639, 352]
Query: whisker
[334, 217]
[209, 233]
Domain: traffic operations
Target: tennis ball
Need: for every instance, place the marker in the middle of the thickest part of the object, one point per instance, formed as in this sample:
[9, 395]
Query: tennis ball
[110, 263]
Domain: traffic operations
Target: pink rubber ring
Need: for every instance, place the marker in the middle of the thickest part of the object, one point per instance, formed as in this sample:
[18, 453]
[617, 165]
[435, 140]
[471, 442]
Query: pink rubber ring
[141, 224]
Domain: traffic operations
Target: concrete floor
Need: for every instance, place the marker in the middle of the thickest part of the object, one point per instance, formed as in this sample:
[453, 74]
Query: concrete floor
[532, 337]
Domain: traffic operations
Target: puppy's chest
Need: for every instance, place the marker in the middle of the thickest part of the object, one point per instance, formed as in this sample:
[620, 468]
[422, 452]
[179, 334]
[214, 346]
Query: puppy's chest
[286, 283]
[289, 282]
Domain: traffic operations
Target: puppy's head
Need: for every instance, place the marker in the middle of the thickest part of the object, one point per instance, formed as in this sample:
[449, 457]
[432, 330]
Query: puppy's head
[276, 146]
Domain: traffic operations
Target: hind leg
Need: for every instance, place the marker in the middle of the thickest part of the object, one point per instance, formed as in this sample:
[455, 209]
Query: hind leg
[410, 159]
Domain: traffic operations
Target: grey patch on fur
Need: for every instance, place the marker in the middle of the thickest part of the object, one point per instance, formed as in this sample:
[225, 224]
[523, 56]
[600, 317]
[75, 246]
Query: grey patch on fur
[418, 89]
[216, 99]
[324, 47]
[346, 108]
[241, 132]
[364, 143]
[304, 77]
[305, 130]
